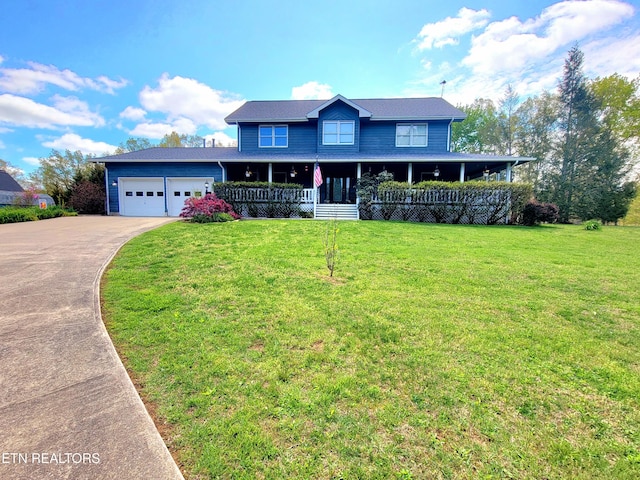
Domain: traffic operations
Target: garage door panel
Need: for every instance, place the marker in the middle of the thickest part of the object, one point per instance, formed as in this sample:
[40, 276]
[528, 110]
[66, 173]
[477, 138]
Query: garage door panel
[180, 189]
[142, 197]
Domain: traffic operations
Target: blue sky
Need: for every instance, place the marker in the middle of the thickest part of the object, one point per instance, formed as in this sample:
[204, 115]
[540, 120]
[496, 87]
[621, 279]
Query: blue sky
[88, 74]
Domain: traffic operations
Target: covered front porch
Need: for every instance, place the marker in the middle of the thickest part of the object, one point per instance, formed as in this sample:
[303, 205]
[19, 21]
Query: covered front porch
[340, 176]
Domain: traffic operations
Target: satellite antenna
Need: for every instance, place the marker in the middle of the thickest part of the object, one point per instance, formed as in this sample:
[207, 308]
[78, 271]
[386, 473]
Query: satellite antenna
[443, 83]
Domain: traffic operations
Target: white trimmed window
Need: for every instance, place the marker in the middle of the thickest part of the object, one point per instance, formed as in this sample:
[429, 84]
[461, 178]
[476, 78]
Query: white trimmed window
[338, 132]
[411, 135]
[273, 136]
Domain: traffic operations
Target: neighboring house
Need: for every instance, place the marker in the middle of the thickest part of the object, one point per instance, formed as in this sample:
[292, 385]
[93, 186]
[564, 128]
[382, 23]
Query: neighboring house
[280, 141]
[9, 189]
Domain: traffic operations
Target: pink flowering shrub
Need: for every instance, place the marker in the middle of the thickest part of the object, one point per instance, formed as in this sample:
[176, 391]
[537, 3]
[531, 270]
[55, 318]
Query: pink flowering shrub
[27, 198]
[208, 209]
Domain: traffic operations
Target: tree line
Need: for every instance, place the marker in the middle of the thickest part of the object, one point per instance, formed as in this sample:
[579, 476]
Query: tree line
[585, 138]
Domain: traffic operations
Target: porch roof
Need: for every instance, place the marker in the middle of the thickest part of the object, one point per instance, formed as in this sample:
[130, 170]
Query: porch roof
[232, 155]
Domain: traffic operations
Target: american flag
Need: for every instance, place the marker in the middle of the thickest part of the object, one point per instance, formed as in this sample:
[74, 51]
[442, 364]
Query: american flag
[317, 176]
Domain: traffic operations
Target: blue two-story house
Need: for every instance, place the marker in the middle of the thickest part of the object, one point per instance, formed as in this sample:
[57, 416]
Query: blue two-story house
[281, 141]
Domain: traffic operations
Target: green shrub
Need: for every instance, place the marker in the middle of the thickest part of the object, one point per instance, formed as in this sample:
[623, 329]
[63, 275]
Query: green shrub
[535, 213]
[592, 225]
[216, 217]
[17, 214]
[30, 214]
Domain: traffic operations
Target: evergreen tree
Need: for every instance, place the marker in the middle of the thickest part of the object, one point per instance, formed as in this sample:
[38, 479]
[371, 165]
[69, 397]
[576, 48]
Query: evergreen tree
[507, 121]
[577, 129]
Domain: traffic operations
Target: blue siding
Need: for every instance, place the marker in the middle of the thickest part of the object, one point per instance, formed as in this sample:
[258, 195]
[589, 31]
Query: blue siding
[370, 136]
[302, 139]
[168, 169]
[381, 137]
[339, 111]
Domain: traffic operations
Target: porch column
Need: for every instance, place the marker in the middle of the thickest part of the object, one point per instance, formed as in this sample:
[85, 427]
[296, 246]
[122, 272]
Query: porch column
[270, 172]
[462, 172]
[508, 179]
[410, 173]
[358, 175]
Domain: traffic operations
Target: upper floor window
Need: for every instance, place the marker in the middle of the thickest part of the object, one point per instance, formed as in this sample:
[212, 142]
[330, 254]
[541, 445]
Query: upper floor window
[338, 132]
[273, 136]
[411, 135]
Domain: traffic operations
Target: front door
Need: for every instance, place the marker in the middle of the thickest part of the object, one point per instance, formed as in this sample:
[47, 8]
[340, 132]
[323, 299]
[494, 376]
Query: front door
[338, 190]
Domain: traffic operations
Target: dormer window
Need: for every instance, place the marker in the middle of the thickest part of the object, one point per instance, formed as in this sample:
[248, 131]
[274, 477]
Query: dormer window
[338, 132]
[273, 136]
[411, 135]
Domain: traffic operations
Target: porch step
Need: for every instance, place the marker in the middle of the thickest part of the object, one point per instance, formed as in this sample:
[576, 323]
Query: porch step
[329, 211]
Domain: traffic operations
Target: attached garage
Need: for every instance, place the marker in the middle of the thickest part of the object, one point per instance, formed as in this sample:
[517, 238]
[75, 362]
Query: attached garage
[157, 181]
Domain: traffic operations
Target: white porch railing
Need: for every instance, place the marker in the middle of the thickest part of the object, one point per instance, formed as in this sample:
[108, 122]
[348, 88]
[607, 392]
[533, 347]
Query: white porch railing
[308, 195]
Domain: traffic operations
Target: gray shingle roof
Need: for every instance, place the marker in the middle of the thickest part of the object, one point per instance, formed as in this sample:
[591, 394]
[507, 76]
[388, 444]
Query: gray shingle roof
[8, 183]
[232, 155]
[174, 154]
[381, 109]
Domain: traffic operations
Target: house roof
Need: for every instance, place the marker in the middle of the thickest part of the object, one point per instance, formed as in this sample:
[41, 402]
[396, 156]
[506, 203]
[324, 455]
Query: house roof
[173, 154]
[8, 183]
[232, 155]
[428, 108]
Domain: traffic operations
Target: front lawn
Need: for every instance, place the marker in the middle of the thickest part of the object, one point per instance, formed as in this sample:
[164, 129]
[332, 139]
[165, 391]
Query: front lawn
[435, 351]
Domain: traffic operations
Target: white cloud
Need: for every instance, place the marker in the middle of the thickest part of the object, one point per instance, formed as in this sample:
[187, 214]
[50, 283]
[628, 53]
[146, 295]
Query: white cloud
[2, 145]
[160, 129]
[31, 160]
[73, 142]
[222, 139]
[133, 113]
[605, 56]
[1, 59]
[78, 108]
[188, 104]
[448, 31]
[34, 79]
[21, 111]
[109, 85]
[511, 44]
[312, 91]
[529, 53]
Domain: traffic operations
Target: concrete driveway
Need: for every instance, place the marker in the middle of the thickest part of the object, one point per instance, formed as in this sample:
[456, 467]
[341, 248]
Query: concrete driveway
[68, 410]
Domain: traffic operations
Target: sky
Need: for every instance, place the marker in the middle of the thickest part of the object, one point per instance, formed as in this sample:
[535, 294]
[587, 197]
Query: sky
[89, 74]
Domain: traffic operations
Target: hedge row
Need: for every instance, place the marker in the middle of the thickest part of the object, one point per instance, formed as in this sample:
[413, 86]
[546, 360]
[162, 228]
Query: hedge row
[262, 199]
[487, 203]
[29, 214]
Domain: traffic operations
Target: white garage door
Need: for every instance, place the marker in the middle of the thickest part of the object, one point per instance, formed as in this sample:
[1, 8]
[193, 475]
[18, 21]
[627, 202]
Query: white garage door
[179, 189]
[141, 197]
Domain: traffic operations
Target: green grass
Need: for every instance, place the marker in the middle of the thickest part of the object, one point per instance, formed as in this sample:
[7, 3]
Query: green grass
[436, 351]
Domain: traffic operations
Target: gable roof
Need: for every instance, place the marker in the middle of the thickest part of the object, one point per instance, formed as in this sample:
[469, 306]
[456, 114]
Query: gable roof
[315, 113]
[8, 183]
[427, 108]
